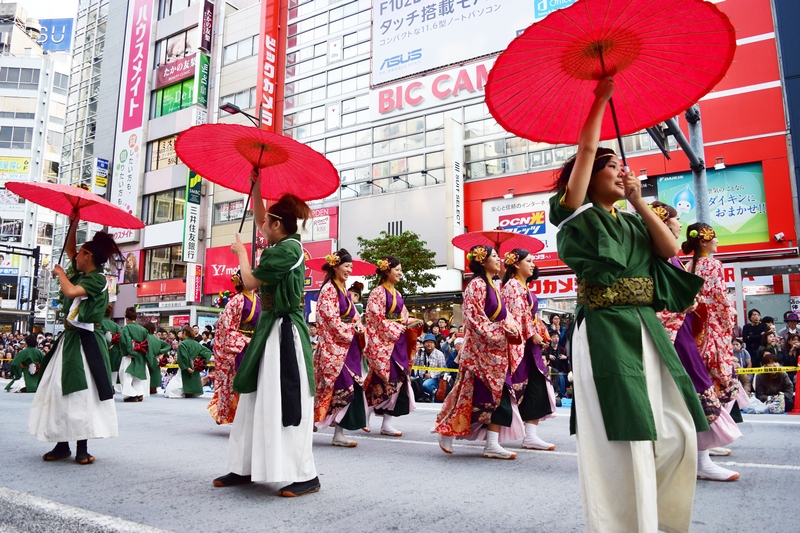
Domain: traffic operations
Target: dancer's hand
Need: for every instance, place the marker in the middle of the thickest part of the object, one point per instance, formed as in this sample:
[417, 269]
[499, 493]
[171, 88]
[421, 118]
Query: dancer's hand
[58, 270]
[254, 176]
[633, 187]
[537, 339]
[237, 248]
[604, 89]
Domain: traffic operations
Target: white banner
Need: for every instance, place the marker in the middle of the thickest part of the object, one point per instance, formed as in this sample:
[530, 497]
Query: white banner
[527, 215]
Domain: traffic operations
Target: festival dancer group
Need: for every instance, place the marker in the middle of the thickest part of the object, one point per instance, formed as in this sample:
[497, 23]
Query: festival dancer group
[654, 386]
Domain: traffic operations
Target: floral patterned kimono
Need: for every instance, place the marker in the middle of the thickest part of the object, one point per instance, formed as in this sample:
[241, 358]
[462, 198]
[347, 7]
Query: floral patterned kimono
[337, 364]
[234, 329]
[482, 393]
[388, 386]
[530, 379]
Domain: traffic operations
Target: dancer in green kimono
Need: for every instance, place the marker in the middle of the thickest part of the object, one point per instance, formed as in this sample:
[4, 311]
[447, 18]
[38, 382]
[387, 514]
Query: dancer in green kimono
[112, 331]
[134, 376]
[192, 357]
[635, 408]
[155, 348]
[25, 361]
[272, 432]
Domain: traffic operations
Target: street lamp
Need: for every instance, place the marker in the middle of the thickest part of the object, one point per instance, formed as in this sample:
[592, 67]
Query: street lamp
[425, 175]
[371, 182]
[346, 186]
[397, 178]
[234, 109]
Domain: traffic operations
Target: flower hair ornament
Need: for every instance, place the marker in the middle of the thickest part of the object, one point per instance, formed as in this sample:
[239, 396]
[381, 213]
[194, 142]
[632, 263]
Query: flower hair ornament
[478, 254]
[511, 258]
[661, 212]
[707, 234]
[383, 264]
[333, 259]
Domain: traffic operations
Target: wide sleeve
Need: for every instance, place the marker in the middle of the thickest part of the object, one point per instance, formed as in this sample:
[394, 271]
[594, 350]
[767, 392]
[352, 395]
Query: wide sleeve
[516, 302]
[164, 347]
[185, 358]
[205, 353]
[718, 293]
[277, 261]
[126, 341]
[328, 313]
[228, 339]
[475, 317]
[674, 288]
[378, 327]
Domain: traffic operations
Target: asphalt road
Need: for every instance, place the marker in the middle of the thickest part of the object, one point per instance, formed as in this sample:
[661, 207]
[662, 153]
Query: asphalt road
[158, 473]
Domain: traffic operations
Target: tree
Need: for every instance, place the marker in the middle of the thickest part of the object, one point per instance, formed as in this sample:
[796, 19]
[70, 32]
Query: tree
[412, 254]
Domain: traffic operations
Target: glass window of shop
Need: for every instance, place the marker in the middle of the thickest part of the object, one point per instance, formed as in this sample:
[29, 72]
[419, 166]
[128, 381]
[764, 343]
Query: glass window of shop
[10, 230]
[173, 98]
[230, 211]
[44, 234]
[177, 47]
[164, 263]
[162, 153]
[164, 206]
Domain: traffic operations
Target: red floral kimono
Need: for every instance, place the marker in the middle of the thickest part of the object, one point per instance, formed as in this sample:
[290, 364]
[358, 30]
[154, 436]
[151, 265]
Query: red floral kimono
[714, 340]
[233, 332]
[484, 381]
[337, 363]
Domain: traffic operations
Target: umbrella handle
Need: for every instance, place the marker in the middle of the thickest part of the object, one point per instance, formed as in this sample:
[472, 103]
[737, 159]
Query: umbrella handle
[613, 113]
[244, 214]
[72, 223]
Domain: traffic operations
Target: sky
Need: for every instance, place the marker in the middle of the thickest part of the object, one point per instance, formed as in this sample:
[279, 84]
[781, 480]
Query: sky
[49, 9]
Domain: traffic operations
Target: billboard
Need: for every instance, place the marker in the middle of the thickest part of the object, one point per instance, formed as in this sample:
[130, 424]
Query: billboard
[191, 219]
[207, 26]
[56, 35]
[526, 214]
[14, 168]
[133, 98]
[268, 79]
[130, 272]
[176, 71]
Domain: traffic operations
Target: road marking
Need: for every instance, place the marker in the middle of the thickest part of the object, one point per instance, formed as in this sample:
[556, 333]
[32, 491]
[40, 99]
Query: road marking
[759, 465]
[781, 422]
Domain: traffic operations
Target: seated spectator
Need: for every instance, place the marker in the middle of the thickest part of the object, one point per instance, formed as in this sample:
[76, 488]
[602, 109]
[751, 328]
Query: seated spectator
[791, 320]
[769, 325]
[770, 384]
[790, 351]
[426, 382]
[744, 361]
[771, 345]
[313, 335]
[556, 357]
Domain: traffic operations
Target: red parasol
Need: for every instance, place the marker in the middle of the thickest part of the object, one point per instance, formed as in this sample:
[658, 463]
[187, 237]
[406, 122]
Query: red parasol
[68, 200]
[227, 154]
[664, 56]
[360, 268]
[498, 238]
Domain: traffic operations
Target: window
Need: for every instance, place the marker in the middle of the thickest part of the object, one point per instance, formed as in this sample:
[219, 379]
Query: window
[44, 234]
[239, 50]
[54, 141]
[162, 153]
[50, 171]
[230, 211]
[19, 78]
[10, 230]
[165, 206]
[60, 83]
[244, 100]
[164, 263]
[14, 107]
[173, 98]
[170, 7]
[177, 47]
[16, 137]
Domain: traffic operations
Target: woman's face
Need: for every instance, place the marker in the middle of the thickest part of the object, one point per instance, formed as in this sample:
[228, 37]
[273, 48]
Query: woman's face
[395, 274]
[709, 247]
[755, 317]
[771, 338]
[492, 264]
[343, 270]
[794, 341]
[272, 230]
[607, 184]
[674, 225]
[525, 267]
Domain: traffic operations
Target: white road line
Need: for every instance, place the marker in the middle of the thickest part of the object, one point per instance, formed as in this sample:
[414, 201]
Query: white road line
[759, 465]
[781, 422]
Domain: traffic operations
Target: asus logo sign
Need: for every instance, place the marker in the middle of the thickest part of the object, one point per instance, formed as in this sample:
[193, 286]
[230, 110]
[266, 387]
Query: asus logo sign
[396, 61]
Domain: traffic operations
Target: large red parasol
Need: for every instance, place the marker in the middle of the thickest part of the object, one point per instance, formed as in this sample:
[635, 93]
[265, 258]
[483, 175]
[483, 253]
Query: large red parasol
[68, 200]
[360, 268]
[227, 154]
[498, 239]
[664, 56]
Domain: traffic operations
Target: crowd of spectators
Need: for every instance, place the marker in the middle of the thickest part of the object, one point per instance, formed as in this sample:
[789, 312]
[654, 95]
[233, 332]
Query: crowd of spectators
[12, 343]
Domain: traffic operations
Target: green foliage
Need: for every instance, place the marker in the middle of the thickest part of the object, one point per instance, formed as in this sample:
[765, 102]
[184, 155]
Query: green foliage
[412, 254]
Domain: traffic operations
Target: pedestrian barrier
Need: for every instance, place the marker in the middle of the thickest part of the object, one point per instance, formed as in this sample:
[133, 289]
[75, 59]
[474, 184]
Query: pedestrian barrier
[209, 365]
[796, 409]
[767, 370]
[434, 369]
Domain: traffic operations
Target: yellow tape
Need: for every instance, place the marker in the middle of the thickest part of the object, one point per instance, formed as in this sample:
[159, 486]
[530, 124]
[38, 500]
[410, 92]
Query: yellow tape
[767, 370]
[434, 369]
[176, 366]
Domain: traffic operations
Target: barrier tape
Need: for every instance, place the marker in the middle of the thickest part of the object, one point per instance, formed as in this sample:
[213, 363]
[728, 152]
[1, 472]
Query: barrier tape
[767, 370]
[211, 365]
[434, 369]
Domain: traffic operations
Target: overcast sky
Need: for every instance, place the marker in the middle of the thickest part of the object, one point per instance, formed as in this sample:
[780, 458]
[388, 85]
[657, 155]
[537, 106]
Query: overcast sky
[48, 9]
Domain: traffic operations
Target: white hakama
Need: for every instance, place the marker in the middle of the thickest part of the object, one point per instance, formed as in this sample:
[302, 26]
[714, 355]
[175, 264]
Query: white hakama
[131, 386]
[81, 415]
[259, 445]
[174, 388]
[631, 486]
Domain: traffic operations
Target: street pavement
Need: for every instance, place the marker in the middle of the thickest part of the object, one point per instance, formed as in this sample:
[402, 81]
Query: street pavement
[157, 475]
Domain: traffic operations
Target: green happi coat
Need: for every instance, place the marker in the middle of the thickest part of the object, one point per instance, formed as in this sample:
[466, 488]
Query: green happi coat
[114, 353]
[282, 271]
[22, 361]
[91, 311]
[188, 351]
[601, 248]
[155, 347]
[134, 332]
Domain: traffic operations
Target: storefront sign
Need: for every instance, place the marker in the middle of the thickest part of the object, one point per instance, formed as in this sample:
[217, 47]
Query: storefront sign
[178, 321]
[133, 100]
[56, 35]
[100, 176]
[14, 168]
[176, 71]
[161, 286]
[194, 281]
[527, 215]
[207, 26]
[9, 202]
[268, 80]
[201, 78]
[457, 155]
[191, 218]
[323, 224]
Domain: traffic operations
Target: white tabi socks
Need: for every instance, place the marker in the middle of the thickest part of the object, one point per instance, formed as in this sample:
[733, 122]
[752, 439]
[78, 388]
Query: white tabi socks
[340, 440]
[708, 470]
[533, 442]
[387, 429]
[493, 450]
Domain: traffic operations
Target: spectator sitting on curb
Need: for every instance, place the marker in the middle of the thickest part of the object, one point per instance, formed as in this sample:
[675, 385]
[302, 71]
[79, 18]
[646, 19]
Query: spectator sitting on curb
[426, 382]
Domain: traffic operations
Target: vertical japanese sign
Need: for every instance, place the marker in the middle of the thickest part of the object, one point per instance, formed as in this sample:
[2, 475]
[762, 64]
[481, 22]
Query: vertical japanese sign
[268, 80]
[194, 282]
[191, 218]
[201, 80]
[100, 181]
[133, 100]
[207, 26]
[457, 151]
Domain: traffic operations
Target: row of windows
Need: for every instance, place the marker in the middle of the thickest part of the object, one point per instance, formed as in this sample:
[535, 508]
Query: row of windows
[173, 98]
[329, 23]
[164, 206]
[19, 78]
[332, 90]
[320, 55]
[230, 211]
[16, 137]
[170, 7]
[243, 100]
[177, 47]
[239, 50]
[16, 107]
[60, 83]
[164, 263]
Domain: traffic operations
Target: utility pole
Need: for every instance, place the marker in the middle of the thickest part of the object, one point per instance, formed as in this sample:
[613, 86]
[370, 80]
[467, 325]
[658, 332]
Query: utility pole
[699, 170]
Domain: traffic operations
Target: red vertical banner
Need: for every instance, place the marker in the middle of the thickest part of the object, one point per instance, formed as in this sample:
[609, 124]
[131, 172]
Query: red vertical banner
[269, 82]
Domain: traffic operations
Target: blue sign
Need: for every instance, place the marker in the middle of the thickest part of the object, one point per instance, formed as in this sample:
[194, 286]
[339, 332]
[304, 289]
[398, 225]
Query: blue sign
[542, 8]
[56, 35]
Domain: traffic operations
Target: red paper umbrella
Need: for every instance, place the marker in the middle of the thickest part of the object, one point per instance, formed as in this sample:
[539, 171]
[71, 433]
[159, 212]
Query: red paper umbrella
[664, 56]
[227, 154]
[499, 240]
[360, 268]
[69, 200]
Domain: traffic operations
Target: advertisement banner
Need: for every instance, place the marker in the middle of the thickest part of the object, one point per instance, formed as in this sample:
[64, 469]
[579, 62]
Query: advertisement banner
[178, 321]
[14, 168]
[176, 71]
[134, 97]
[322, 225]
[100, 175]
[161, 286]
[9, 202]
[207, 26]
[191, 218]
[194, 279]
[736, 202]
[201, 80]
[457, 176]
[130, 273]
[221, 264]
[268, 80]
[527, 215]
[56, 35]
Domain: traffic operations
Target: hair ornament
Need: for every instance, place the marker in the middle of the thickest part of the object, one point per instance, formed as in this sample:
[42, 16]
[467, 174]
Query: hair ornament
[707, 234]
[604, 155]
[693, 234]
[662, 212]
[383, 264]
[333, 259]
[479, 254]
[510, 258]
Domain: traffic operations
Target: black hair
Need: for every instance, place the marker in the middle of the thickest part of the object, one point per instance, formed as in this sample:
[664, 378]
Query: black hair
[150, 327]
[288, 210]
[110, 309]
[356, 287]
[383, 274]
[102, 247]
[30, 340]
[511, 270]
[475, 266]
[600, 160]
[750, 312]
[330, 271]
[768, 319]
[131, 314]
[692, 244]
